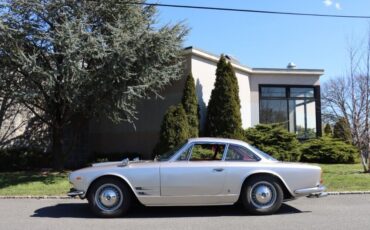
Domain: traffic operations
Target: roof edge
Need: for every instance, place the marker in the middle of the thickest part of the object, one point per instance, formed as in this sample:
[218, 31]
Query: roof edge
[214, 58]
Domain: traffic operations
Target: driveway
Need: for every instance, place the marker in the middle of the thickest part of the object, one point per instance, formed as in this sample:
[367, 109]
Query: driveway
[333, 212]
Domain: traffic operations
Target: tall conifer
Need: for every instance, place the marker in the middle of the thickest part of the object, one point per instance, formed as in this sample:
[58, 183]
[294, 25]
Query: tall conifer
[223, 112]
[190, 104]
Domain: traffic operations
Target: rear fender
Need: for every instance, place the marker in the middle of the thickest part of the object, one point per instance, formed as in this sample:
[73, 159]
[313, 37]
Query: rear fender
[266, 172]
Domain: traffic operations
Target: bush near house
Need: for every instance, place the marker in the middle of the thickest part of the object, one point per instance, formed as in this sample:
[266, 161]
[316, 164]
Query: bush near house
[342, 130]
[23, 159]
[328, 150]
[327, 130]
[275, 140]
[174, 129]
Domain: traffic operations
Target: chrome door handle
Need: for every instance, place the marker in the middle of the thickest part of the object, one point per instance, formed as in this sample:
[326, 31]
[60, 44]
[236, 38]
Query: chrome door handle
[218, 169]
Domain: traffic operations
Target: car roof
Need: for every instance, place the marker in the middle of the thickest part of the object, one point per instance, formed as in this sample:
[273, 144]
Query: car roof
[216, 139]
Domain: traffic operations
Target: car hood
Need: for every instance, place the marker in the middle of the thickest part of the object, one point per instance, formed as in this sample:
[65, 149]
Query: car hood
[124, 164]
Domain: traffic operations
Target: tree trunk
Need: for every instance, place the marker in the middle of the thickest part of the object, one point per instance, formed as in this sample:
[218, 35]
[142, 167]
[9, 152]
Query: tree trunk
[58, 158]
[363, 161]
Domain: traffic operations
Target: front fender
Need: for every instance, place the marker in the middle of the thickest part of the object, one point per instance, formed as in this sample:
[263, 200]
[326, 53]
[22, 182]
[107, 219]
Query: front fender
[117, 175]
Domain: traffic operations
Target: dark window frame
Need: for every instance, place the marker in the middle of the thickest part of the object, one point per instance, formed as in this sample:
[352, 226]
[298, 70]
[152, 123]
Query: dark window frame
[316, 98]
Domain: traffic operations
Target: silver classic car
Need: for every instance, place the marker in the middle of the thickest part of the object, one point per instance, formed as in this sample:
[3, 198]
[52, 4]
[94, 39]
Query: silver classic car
[202, 171]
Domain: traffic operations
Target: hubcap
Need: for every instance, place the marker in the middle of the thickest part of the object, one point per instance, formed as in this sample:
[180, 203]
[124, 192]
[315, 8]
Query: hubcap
[263, 195]
[108, 197]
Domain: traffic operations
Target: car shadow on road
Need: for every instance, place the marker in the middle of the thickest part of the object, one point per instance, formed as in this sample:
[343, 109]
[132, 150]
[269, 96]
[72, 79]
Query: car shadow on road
[81, 210]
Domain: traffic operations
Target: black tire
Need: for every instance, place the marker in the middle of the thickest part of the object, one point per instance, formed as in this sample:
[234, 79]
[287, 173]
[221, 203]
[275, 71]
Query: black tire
[103, 204]
[262, 195]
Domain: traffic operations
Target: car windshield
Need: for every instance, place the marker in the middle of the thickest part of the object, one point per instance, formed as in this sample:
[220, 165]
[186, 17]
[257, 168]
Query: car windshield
[167, 155]
[263, 154]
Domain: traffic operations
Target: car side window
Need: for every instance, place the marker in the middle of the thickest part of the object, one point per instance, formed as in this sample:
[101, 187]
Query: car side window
[239, 153]
[184, 155]
[207, 152]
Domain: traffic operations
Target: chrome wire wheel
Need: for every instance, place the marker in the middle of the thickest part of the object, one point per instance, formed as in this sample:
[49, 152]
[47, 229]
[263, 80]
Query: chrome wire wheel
[108, 197]
[263, 195]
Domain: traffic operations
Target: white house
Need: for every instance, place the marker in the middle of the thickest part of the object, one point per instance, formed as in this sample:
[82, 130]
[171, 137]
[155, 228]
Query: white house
[268, 95]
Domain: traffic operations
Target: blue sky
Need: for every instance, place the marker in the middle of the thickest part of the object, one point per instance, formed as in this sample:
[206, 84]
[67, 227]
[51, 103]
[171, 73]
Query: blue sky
[261, 40]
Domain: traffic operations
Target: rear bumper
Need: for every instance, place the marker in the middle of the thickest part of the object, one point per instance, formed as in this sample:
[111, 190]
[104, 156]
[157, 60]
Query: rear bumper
[74, 192]
[315, 192]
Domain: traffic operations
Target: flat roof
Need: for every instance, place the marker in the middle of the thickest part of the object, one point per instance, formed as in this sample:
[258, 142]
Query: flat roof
[275, 71]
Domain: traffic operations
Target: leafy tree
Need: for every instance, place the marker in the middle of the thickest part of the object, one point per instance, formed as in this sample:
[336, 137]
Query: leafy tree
[348, 97]
[275, 140]
[342, 130]
[223, 112]
[327, 130]
[174, 129]
[190, 104]
[86, 58]
[328, 150]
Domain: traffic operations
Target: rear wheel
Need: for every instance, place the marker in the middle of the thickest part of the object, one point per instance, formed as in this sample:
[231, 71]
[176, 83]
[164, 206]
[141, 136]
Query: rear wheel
[262, 195]
[109, 197]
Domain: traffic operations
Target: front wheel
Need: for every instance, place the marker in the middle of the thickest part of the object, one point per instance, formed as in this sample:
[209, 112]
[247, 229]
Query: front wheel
[109, 197]
[262, 195]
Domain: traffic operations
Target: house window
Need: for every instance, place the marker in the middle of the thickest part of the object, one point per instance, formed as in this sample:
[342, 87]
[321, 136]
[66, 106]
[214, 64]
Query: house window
[292, 106]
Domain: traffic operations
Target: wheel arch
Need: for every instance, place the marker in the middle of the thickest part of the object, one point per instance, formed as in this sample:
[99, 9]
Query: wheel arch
[287, 192]
[112, 175]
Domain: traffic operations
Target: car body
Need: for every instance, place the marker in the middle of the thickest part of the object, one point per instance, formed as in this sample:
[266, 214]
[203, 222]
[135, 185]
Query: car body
[201, 171]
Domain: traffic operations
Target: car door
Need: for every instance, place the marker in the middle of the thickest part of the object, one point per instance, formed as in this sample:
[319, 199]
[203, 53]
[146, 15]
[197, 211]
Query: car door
[199, 171]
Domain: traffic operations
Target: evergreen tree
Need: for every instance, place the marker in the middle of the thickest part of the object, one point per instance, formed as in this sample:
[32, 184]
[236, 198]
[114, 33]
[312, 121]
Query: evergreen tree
[342, 130]
[174, 129]
[223, 112]
[327, 130]
[90, 58]
[190, 104]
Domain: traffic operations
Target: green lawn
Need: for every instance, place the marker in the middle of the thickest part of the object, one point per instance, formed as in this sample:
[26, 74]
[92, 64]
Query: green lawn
[337, 177]
[345, 177]
[33, 183]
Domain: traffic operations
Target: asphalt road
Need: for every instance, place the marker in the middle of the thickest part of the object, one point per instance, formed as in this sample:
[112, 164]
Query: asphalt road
[333, 212]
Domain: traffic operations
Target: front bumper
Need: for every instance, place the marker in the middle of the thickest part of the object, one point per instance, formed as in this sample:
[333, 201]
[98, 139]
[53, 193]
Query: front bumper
[315, 192]
[74, 192]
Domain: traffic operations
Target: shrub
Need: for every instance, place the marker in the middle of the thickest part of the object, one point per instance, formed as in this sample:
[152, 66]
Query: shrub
[174, 129]
[328, 150]
[327, 130]
[23, 159]
[274, 140]
[342, 130]
[223, 112]
[190, 104]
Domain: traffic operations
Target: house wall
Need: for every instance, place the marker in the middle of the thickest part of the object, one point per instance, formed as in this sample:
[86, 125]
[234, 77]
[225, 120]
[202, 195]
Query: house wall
[107, 137]
[204, 73]
[260, 79]
[13, 123]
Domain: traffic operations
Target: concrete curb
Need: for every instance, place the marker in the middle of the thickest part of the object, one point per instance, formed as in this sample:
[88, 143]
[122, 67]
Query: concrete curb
[67, 197]
[349, 193]
[38, 197]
